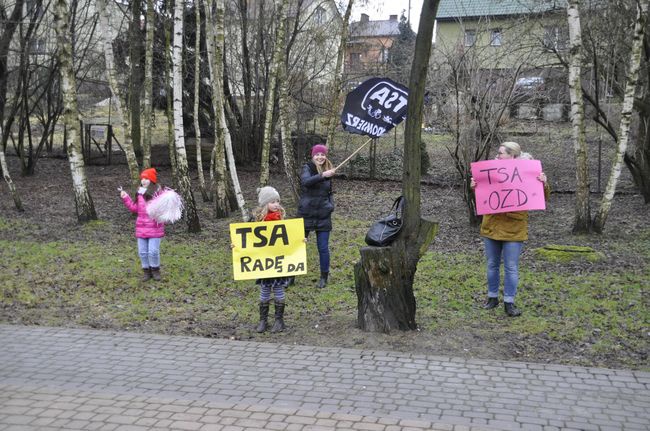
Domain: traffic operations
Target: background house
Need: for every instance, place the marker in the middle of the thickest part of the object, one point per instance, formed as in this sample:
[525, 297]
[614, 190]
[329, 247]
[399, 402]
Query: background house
[507, 45]
[367, 51]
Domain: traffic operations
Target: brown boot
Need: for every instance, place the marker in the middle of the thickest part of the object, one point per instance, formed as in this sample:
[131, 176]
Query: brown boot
[146, 274]
[155, 273]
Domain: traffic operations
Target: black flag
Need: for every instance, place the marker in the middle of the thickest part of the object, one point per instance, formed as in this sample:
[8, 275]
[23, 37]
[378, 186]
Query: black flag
[375, 107]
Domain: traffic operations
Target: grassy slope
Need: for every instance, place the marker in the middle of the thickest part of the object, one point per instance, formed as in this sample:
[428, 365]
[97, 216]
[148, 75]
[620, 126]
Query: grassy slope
[97, 284]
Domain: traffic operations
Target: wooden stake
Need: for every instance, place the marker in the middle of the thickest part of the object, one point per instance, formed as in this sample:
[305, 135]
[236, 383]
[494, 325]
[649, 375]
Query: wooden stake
[355, 152]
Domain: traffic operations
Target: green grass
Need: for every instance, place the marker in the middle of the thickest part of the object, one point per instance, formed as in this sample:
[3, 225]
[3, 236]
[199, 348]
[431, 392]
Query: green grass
[96, 284]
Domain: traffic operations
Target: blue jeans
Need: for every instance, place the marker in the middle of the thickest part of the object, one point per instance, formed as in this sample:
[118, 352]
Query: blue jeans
[322, 243]
[510, 250]
[149, 251]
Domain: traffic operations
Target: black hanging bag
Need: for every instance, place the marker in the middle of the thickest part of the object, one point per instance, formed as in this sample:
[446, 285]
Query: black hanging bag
[385, 230]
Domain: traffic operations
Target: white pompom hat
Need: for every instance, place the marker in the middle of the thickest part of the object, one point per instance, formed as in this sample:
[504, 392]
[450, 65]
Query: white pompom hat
[266, 195]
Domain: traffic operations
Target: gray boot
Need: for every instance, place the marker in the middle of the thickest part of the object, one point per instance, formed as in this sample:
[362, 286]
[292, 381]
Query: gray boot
[278, 325]
[323, 280]
[264, 316]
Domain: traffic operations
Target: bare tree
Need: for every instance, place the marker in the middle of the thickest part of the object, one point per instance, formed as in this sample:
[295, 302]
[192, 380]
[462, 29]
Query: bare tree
[214, 39]
[384, 276]
[8, 30]
[184, 185]
[626, 115]
[582, 216]
[335, 104]
[84, 206]
[148, 84]
[135, 78]
[276, 64]
[197, 85]
[111, 76]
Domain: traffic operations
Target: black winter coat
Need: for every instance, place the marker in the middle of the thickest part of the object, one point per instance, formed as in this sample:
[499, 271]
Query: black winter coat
[316, 203]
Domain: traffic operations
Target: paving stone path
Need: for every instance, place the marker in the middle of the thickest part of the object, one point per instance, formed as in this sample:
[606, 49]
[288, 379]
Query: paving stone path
[77, 379]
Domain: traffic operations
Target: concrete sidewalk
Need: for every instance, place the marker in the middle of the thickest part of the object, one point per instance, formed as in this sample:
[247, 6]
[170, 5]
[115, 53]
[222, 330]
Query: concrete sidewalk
[59, 378]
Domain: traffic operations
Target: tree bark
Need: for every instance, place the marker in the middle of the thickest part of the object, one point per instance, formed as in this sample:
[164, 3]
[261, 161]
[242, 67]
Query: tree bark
[384, 277]
[197, 85]
[184, 185]
[135, 82]
[214, 41]
[84, 206]
[5, 174]
[335, 104]
[626, 116]
[148, 86]
[276, 64]
[111, 77]
[582, 217]
[169, 91]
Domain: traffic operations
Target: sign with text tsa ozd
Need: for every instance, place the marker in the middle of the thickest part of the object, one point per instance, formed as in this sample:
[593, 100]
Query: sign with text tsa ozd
[507, 186]
[268, 249]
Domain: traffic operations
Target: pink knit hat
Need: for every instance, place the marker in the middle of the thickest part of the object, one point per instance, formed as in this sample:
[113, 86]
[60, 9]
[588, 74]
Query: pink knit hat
[319, 148]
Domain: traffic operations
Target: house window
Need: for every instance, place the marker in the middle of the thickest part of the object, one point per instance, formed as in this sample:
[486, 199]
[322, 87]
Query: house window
[495, 37]
[320, 15]
[470, 37]
[555, 38]
[355, 58]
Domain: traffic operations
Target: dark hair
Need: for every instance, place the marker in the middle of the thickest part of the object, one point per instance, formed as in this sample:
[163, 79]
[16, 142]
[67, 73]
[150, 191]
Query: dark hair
[152, 190]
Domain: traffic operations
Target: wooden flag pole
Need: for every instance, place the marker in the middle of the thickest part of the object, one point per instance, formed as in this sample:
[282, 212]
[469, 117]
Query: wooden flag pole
[355, 152]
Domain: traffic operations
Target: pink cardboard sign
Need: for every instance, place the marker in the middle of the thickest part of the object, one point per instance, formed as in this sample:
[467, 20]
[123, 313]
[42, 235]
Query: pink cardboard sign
[508, 185]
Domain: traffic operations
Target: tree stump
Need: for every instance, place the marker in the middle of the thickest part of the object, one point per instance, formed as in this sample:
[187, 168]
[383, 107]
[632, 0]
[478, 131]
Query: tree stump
[384, 283]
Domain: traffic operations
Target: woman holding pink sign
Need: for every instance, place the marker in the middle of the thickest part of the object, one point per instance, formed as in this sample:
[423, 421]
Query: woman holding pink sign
[504, 235]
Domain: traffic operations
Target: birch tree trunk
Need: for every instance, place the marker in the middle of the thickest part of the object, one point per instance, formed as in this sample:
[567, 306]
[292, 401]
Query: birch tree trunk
[626, 116]
[285, 135]
[84, 206]
[5, 174]
[148, 86]
[276, 64]
[215, 57]
[111, 76]
[227, 137]
[582, 217]
[197, 85]
[135, 83]
[335, 104]
[184, 185]
[167, 72]
[384, 276]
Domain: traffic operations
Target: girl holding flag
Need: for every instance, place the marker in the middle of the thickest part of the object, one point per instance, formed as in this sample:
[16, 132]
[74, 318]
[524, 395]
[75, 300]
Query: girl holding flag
[316, 204]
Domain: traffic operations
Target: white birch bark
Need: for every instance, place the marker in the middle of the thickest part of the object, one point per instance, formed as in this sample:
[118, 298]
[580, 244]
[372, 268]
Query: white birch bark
[184, 185]
[626, 116]
[148, 86]
[111, 76]
[7, 177]
[270, 98]
[335, 103]
[223, 141]
[582, 217]
[197, 86]
[283, 97]
[169, 85]
[84, 206]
